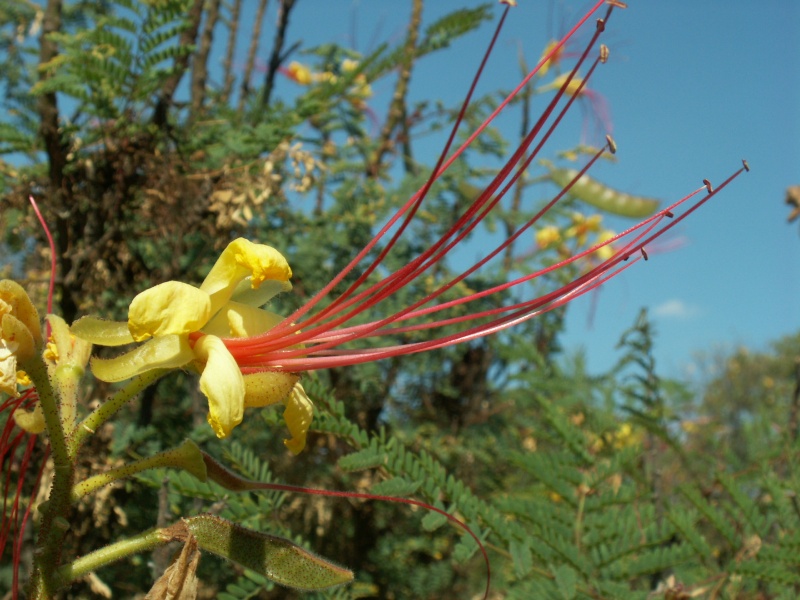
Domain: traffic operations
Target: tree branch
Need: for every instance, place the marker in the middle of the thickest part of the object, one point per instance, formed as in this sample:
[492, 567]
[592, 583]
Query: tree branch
[200, 62]
[277, 48]
[251, 54]
[232, 37]
[397, 109]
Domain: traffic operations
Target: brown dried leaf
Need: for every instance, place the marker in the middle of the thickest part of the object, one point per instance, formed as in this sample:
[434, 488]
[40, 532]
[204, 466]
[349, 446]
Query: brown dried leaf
[179, 581]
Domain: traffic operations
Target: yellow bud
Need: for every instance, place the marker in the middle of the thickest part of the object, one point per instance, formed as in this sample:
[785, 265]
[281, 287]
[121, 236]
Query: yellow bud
[32, 422]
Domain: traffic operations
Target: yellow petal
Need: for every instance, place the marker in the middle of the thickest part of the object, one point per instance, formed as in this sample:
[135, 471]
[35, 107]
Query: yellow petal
[21, 307]
[243, 258]
[8, 367]
[267, 388]
[72, 350]
[222, 383]
[32, 422]
[102, 332]
[14, 330]
[170, 351]
[241, 320]
[245, 293]
[168, 308]
[298, 415]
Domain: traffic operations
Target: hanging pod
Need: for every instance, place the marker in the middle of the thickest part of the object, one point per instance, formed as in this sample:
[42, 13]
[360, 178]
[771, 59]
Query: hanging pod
[601, 196]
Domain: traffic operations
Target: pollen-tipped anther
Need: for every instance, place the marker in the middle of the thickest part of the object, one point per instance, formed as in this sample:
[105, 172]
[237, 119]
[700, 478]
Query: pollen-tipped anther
[708, 186]
[616, 3]
[603, 53]
[612, 145]
[601, 25]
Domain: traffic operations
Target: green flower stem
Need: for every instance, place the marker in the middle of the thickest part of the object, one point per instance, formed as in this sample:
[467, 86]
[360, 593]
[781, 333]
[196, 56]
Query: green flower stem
[37, 371]
[109, 408]
[143, 542]
[53, 524]
[186, 457]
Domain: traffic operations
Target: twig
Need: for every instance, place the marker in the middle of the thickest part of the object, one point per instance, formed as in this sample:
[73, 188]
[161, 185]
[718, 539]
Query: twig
[276, 57]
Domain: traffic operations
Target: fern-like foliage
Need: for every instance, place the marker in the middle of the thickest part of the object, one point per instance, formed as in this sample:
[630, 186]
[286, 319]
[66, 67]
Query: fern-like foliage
[114, 67]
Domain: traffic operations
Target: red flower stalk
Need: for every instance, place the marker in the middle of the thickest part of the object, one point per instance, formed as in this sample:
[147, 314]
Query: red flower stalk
[308, 340]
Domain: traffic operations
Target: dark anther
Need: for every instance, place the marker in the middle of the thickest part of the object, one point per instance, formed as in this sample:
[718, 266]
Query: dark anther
[745, 165]
[612, 145]
[708, 186]
[626, 257]
[601, 25]
[668, 213]
[644, 254]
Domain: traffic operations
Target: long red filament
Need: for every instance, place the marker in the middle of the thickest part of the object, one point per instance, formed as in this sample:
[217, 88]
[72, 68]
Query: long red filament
[287, 327]
[276, 338]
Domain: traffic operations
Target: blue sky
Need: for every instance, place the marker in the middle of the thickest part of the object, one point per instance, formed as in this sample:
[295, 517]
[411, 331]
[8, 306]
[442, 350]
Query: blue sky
[693, 88]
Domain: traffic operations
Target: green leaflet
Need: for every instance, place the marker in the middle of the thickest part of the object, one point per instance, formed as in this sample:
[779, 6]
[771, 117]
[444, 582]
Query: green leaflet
[601, 196]
[277, 558]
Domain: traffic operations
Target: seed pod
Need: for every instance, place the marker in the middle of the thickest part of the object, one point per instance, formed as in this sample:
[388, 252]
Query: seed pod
[276, 558]
[601, 196]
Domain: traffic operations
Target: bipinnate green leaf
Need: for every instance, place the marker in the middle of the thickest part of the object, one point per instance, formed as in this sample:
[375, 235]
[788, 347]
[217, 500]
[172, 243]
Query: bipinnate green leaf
[276, 558]
[566, 580]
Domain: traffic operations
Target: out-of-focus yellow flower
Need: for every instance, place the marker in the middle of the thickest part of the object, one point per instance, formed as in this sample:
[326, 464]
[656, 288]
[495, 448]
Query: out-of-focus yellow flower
[547, 236]
[582, 226]
[573, 87]
[553, 60]
[626, 437]
[181, 325]
[606, 251]
[299, 73]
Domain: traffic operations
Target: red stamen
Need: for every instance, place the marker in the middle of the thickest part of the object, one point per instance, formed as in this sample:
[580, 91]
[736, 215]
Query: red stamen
[276, 338]
[413, 203]
[324, 332]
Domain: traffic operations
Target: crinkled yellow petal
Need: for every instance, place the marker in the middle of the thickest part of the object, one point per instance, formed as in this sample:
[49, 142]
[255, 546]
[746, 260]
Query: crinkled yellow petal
[102, 332]
[22, 308]
[241, 320]
[8, 367]
[243, 258]
[32, 422]
[14, 330]
[267, 388]
[222, 383]
[170, 351]
[168, 308]
[298, 415]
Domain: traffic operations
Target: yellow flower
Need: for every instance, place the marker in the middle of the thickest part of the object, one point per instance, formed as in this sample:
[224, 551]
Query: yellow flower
[182, 326]
[554, 59]
[299, 72]
[606, 251]
[547, 236]
[20, 333]
[582, 226]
